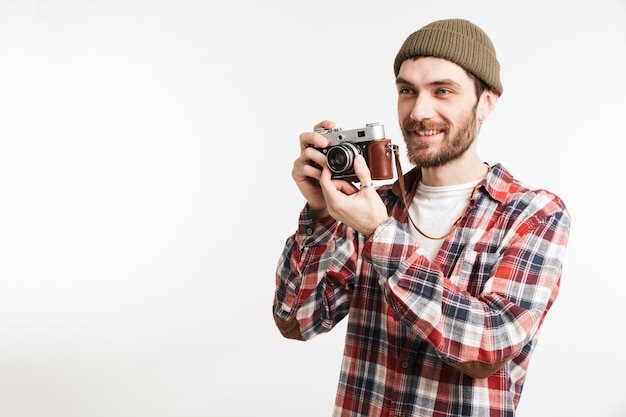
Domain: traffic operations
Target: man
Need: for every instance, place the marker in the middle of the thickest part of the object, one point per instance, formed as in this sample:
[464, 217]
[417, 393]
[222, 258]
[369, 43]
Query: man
[445, 298]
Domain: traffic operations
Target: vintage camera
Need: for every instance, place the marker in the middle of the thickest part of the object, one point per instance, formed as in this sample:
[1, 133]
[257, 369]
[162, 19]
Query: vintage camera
[345, 145]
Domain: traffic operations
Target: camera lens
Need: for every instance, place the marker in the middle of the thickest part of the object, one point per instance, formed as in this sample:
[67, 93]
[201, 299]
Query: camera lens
[340, 158]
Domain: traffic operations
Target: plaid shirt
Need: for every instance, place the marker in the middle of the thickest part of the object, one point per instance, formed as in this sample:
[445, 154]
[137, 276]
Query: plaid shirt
[451, 337]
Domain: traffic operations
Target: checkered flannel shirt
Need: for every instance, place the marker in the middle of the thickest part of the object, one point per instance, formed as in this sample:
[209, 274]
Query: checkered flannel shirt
[451, 337]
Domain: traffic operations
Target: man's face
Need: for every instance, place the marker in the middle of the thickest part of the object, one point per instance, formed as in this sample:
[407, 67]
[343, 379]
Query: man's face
[436, 109]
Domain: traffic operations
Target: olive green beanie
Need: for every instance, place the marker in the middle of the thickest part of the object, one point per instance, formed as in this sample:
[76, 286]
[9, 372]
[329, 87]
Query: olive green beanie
[456, 40]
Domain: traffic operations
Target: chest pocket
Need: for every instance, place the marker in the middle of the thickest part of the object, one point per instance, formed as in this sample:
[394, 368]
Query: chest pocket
[473, 270]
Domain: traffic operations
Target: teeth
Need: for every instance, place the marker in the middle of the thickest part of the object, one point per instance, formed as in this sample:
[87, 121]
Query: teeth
[427, 132]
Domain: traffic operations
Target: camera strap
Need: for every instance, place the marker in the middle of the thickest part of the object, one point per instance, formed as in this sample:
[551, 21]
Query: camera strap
[405, 212]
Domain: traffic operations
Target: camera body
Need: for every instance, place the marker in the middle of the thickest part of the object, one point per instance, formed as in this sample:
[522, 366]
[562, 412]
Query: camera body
[368, 141]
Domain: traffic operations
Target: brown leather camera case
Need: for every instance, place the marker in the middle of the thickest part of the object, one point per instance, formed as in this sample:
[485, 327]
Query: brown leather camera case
[380, 157]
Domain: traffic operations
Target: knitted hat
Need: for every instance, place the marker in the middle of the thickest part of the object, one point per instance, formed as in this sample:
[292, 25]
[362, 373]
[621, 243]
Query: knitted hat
[456, 40]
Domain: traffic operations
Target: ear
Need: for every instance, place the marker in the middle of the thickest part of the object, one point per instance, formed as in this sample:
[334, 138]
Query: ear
[487, 103]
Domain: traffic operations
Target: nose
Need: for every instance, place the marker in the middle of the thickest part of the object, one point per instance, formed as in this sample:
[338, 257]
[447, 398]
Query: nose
[423, 107]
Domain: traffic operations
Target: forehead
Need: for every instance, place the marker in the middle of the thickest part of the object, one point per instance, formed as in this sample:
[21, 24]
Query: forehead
[428, 70]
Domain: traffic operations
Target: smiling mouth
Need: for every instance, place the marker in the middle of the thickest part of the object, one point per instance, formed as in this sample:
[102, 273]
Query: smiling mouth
[425, 129]
[427, 132]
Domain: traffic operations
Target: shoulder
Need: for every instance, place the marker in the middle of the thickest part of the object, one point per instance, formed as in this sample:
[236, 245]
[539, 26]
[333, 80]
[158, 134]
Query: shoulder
[519, 199]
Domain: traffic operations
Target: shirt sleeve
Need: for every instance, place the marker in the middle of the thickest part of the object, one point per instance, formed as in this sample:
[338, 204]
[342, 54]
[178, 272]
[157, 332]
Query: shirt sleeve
[314, 278]
[479, 326]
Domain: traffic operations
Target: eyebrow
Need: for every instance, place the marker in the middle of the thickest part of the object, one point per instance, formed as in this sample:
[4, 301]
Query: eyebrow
[437, 83]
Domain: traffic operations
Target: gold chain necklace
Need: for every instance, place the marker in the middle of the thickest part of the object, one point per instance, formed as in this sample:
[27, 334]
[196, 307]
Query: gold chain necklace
[456, 223]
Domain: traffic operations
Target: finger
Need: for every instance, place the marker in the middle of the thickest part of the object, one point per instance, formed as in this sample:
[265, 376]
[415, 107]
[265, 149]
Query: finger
[312, 139]
[326, 124]
[345, 187]
[325, 178]
[334, 187]
[326, 182]
[362, 172]
[308, 165]
[302, 170]
[313, 154]
[322, 141]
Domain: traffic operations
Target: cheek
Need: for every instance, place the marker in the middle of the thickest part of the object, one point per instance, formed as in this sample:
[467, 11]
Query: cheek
[404, 110]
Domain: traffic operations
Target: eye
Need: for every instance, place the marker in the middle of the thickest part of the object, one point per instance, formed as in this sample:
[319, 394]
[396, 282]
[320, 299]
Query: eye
[405, 90]
[442, 91]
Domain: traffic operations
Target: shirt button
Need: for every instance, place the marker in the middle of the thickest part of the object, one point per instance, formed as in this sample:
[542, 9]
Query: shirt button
[309, 230]
[405, 364]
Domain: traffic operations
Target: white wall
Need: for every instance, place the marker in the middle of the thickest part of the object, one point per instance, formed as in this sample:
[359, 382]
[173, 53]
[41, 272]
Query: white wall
[145, 192]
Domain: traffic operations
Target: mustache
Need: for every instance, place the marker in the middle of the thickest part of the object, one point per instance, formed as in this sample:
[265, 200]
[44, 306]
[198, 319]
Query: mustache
[413, 125]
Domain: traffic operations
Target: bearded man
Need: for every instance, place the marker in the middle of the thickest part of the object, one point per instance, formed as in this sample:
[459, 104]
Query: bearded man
[445, 276]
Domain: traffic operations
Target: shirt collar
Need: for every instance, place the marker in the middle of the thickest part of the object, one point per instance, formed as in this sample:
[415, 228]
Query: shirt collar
[497, 183]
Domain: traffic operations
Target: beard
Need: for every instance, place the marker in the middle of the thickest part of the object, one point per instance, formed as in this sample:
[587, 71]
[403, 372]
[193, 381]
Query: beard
[450, 148]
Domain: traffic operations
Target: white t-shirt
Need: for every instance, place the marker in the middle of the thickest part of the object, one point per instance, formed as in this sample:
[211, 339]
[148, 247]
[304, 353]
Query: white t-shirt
[434, 210]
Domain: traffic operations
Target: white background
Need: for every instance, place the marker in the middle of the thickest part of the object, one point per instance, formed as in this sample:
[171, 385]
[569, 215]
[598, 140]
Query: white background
[145, 192]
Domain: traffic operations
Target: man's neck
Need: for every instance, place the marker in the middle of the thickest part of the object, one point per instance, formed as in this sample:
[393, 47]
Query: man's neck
[459, 171]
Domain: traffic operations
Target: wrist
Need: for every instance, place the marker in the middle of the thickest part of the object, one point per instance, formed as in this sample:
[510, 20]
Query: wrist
[374, 226]
[317, 213]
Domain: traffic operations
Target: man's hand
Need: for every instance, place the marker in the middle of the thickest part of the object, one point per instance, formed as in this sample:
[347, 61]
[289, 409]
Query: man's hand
[307, 175]
[361, 209]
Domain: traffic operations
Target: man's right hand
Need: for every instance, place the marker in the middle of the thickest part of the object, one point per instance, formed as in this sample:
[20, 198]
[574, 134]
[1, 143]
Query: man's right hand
[306, 175]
